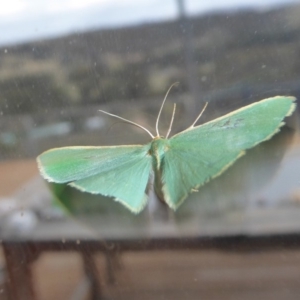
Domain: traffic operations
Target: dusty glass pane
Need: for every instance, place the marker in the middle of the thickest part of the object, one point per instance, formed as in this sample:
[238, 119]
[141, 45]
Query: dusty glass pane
[62, 62]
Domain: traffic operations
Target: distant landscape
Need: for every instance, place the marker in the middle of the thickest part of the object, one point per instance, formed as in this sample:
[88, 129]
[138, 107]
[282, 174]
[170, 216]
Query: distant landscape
[236, 58]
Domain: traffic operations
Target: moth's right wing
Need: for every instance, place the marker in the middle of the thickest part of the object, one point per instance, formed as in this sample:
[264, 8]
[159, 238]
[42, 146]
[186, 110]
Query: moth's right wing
[203, 152]
[121, 172]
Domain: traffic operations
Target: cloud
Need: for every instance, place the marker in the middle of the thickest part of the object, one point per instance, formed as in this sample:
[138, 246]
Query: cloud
[22, 20]
[12, 9]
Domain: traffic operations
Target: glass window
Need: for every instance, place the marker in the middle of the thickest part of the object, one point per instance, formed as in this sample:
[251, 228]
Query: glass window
[235, 236]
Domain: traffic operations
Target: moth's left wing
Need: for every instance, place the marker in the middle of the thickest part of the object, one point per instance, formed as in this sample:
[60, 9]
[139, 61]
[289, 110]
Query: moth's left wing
[121, 172]
[200, 153]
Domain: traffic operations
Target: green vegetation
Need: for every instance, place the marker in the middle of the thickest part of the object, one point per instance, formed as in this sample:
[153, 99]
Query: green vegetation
[140, 62]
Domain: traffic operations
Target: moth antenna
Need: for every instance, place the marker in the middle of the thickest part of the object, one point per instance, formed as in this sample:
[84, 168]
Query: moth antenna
[171, 123]
[128, 121]
[202, 111]
[162, 105]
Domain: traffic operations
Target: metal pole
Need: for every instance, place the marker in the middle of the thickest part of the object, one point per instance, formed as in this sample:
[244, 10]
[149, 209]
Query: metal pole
[191, 74]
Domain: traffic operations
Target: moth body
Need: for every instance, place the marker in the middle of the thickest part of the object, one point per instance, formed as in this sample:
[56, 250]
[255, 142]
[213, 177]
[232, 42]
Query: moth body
[159, 146]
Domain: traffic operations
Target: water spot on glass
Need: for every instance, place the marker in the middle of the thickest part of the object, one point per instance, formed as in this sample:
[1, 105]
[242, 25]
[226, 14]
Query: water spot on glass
[110, 246]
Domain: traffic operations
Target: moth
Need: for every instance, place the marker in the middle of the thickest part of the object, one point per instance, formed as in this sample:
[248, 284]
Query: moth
[180, 164]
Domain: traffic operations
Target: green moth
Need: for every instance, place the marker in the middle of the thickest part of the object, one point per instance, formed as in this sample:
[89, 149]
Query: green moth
[180, 164]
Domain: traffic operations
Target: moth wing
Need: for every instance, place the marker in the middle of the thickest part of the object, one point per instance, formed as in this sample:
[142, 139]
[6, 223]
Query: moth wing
[200, 153]
[121, 172]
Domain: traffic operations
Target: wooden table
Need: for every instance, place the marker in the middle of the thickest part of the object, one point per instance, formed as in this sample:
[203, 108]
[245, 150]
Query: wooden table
[258, 229]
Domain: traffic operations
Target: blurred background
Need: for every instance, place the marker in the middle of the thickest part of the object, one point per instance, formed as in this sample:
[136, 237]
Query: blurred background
[62, 61]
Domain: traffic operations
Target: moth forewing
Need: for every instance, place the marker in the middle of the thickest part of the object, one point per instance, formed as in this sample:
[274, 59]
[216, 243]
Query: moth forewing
[290, 106]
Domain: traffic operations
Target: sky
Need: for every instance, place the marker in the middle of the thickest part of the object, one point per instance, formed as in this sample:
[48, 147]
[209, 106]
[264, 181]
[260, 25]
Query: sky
[25, 20]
